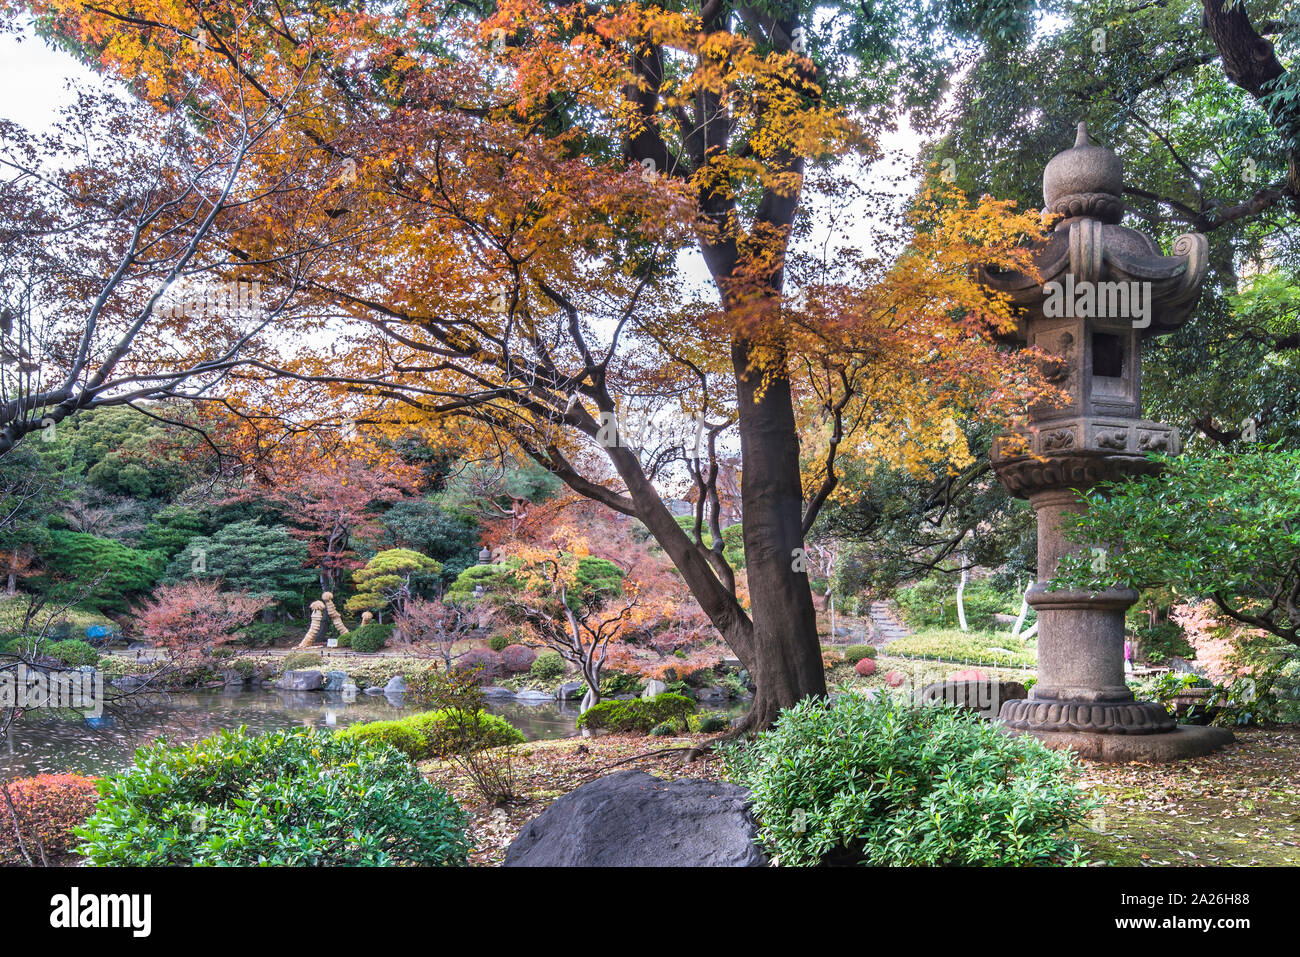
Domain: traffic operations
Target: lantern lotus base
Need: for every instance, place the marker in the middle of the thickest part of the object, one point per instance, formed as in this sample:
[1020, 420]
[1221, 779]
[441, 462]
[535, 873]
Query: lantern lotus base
[1185, 741]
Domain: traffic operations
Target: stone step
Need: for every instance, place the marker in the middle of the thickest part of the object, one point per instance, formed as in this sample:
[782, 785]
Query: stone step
[887, 623]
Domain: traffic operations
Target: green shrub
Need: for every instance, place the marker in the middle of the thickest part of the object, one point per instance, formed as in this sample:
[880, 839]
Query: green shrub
[399, 734]
[498, 642]
[855, 653]
[548, 666]
[710, 723]
[261, 634]
[665, 730]
[1163, 641]
[620, 682]
[436, 734]
[639, 714]
[879, 782]
[287, 798]
[72, 653]
[734, 685]
[932, 603]
[370, 637]
[302, 660]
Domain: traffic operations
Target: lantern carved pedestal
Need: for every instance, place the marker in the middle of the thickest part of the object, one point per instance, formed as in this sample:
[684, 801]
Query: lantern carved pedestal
[1103, 288]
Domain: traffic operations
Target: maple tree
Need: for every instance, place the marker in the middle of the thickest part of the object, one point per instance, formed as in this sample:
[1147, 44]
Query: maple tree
[512, 193]
[427, 621]
[191, 618]
[331, 494]
[123, 280]
[576, 604]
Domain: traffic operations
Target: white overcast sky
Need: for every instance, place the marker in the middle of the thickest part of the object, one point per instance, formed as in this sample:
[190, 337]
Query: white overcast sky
[34, 80]
[34, 84]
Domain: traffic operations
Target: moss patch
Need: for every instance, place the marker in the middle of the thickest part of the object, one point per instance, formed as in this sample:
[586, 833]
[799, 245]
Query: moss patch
[1240, 806]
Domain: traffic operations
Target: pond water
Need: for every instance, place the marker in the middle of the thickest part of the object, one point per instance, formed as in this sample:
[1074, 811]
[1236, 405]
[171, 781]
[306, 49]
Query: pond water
[50, 741]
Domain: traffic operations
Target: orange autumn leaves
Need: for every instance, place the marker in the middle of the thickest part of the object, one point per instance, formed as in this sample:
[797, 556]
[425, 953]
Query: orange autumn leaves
[467, 216]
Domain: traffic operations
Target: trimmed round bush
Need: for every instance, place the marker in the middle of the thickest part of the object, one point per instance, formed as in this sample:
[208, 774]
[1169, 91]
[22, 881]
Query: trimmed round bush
[548, 666]
[877, 782]
[484, 662]
[895, 679]
[517, 658]
[855, 653]
[369, 637]
[303, 660]
[498, 642]
[639, 714]
[665, 730]
[866, 667]
[72, 653]
[48, 807]
[436, 734]
[300, 798]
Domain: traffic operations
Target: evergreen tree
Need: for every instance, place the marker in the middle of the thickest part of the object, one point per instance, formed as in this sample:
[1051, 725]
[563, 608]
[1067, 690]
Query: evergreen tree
[249, 557]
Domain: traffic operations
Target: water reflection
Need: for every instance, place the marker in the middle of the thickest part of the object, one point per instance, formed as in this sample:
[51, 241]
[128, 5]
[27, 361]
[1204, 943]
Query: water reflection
[44, 741]
[51, 741]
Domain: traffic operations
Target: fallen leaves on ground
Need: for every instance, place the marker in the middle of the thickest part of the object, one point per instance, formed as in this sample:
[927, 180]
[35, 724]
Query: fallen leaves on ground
[545, 770]
[1238, 806]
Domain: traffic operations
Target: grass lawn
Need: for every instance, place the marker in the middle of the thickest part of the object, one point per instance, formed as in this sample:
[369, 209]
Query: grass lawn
[917, 674]
[976, 646]
[13, 609]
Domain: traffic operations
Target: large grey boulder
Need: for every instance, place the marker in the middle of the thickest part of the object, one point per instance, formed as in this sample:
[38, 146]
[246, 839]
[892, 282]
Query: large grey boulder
[654, 687]
[632, 819]
[572, 690]
[334, 681]
[529, 694]
[301, 681]
[396, 685]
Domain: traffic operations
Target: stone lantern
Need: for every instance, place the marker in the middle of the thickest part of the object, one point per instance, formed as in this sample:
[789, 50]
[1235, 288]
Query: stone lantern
[485, 555]
[1103, 288]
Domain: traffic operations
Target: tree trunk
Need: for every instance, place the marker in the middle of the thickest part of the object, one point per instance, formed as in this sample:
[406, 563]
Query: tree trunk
[786, 657]
[961, 599]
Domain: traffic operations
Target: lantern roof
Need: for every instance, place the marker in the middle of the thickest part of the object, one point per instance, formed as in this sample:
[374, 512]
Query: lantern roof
[1083, 187]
